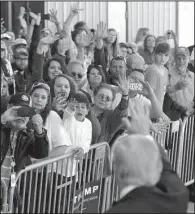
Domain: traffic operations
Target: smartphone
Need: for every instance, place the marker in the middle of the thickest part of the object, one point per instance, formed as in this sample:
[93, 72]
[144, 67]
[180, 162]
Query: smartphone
[26, 112]
[61, 94]
[45, 16]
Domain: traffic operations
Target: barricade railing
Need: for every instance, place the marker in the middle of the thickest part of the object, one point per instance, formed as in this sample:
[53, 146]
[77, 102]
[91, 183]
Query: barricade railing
[185, 167]
[169, 140]
[63, 184]
[4, 202]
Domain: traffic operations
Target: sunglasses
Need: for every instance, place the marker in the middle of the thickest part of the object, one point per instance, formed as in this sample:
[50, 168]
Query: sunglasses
[102, 97]
[38, 84]
[80, 76]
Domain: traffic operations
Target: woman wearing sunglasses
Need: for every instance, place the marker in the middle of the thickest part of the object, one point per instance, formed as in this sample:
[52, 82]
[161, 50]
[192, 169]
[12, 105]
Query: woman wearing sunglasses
[57, 136]
[104, 95]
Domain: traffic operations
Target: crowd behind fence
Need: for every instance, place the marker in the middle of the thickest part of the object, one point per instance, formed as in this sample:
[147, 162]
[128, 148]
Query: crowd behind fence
[64, 185]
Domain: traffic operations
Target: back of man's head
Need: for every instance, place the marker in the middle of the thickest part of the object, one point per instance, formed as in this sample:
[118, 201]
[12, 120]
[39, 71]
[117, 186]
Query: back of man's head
[137, 161]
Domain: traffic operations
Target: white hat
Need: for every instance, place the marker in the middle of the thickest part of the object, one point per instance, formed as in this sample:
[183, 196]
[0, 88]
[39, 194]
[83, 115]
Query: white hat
[20, 41]
[5, 36]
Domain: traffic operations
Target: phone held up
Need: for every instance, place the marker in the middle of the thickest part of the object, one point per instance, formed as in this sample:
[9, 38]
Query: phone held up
[26, 112]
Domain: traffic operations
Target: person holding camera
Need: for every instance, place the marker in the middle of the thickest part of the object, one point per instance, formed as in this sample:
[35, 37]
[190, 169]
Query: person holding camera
[17, 141]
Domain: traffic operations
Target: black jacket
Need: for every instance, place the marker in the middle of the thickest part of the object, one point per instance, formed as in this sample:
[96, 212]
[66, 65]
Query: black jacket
[168, 196]
[28, 144]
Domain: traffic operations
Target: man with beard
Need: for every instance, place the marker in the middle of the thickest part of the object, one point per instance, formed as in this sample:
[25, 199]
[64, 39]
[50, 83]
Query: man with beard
[181, 80]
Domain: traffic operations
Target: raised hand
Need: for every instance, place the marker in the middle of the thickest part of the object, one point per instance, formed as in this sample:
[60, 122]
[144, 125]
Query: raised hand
[72, 105]
[123, 84]
[102, 30]
[22, 12]
[182, 83]
[75, 9]
[59, 103]
[37, 122]
[3, 29]
[84, 40]
[50, 39]
[78, 153]
[10, 114]
[36, 17]
[159, 127]
[140, 119]
[53, 16]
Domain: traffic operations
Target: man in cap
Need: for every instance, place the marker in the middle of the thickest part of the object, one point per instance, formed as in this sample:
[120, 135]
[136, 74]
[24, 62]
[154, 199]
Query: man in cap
[181, 80]
[17, 141]
[145, 179]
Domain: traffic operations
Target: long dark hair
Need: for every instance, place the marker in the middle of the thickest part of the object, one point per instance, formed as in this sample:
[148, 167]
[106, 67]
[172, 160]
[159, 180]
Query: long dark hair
[99, 68]
[145, 42]
[44, 114]
[72, 86]
[46, 66]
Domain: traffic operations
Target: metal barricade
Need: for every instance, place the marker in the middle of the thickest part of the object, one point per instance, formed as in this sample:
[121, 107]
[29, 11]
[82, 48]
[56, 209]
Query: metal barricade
[4, 203]
[95, 169]
[38, 186]
[169, 140]
[186, 160]
[55, 185]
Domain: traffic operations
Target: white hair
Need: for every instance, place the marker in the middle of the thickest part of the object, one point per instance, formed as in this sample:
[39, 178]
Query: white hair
[137, 161]
[75, 61]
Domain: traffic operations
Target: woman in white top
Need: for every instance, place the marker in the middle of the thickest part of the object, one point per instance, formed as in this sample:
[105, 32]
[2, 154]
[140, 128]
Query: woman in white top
[57, 135]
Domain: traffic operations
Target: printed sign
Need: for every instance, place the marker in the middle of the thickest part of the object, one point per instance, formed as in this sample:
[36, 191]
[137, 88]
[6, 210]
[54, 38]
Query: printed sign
[135, 85]
[91, 198]
[175, 126]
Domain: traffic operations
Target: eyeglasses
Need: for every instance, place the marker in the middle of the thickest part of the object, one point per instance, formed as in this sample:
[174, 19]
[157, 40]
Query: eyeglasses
[106, 98]
[80, 76]
[37, 84]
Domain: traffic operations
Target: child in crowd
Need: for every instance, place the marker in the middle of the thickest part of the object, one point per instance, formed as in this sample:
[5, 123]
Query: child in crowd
[78, 126]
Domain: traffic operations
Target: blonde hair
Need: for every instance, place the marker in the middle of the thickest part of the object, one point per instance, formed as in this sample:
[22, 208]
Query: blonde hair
[137, 161]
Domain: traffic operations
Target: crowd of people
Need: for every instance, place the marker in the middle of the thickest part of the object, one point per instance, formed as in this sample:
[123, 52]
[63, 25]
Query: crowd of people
[78, 87]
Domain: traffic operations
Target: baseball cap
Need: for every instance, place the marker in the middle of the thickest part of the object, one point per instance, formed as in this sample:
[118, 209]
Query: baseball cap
[135, 61]
[5, 36]
[182, 51]
[20, 99]
[20, 41]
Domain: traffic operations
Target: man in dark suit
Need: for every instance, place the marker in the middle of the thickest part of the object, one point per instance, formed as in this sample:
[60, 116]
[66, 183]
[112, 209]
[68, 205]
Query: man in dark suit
[146, 181]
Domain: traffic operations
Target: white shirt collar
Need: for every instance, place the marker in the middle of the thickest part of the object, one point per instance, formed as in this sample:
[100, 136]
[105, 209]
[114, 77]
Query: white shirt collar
[126, 190]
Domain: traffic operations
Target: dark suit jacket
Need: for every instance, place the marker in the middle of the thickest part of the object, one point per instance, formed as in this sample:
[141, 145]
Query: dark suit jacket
[168, 196]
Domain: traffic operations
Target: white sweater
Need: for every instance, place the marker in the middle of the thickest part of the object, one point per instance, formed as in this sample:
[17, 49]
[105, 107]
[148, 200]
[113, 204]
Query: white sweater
[80, 133]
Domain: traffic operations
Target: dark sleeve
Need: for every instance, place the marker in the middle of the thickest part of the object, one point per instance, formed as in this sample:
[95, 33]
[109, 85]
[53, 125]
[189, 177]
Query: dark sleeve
[37, 70]
[100, 58]
[170, 182]
[170, 104]
[33, 45]
[120, 111]
[17, 28]
[39, 146]
[96, 128]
